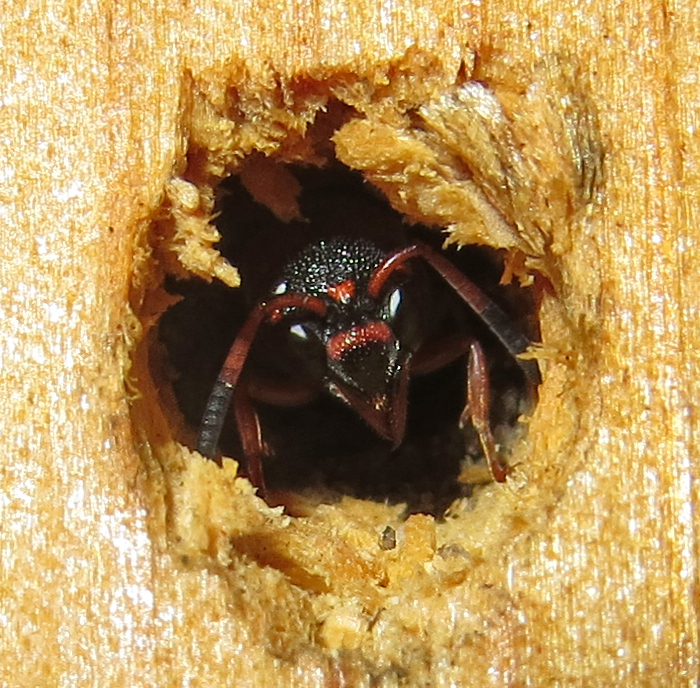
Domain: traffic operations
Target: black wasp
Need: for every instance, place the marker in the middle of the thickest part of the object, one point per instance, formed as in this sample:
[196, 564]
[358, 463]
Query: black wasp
[349, 310]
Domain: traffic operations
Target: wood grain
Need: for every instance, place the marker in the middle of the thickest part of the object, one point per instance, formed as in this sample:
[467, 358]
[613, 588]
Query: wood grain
[126, 560]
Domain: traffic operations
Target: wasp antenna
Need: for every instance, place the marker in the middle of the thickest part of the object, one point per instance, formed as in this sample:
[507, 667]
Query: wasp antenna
[220, 398]
[513, 339]
[389, 266]
[492, 316]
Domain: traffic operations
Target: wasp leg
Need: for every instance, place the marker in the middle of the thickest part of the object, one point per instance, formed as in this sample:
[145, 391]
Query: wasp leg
[217, 405]
[250, 433]
[439, 353]
[444, 351]
[477, 408]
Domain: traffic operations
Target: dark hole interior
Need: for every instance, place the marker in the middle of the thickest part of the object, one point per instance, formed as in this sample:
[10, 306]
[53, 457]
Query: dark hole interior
[324, 444]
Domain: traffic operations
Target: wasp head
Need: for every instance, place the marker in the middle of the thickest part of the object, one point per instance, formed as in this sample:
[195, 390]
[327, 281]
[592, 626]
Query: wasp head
[365, 358]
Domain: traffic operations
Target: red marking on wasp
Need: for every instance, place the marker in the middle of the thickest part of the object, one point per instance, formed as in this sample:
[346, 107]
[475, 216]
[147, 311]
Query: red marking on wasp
[376, 331]
[274, 310]
[343, 292]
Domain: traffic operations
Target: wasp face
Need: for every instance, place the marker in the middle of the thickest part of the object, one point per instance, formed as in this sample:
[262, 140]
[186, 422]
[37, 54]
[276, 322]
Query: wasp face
[368, 370]
[366, 360]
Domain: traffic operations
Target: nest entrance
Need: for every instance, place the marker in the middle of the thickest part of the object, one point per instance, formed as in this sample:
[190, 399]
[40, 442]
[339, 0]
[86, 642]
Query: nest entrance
[324, 446]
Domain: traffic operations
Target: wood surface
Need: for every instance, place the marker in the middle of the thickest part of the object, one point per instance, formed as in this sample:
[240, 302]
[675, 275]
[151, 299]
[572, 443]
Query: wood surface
[126, 560]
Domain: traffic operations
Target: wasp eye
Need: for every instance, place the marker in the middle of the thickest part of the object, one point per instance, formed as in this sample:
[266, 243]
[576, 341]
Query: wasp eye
[280, 289]
[394, 303]
[299, 331]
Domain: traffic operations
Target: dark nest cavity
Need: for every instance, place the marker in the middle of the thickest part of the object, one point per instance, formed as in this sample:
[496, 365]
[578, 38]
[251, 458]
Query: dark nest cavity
[323, 444]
